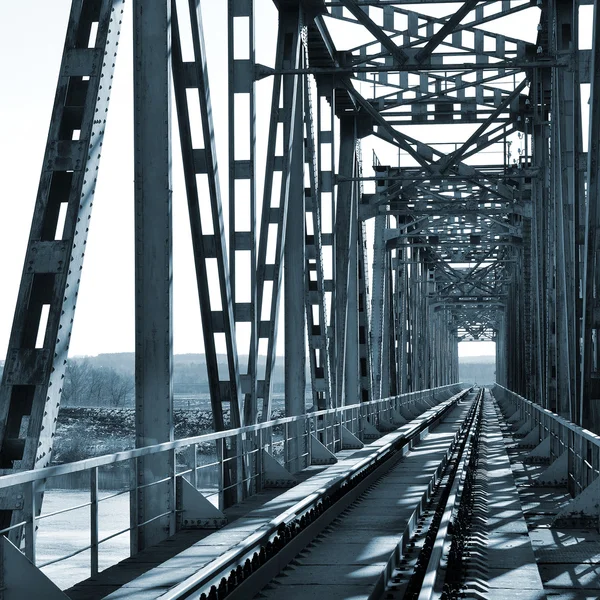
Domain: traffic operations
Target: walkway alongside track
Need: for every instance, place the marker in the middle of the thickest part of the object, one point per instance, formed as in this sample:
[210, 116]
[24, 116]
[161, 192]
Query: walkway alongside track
[568, 558]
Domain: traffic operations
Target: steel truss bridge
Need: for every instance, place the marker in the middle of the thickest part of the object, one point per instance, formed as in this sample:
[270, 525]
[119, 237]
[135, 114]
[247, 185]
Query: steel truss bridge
[428, 179]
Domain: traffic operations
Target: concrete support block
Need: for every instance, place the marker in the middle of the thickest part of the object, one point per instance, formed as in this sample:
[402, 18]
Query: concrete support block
[525, 428]
[386, 425]
[557, 473]
[274, 474]
[350, 441]
[21, 579]
[410, 411]
[370, 432]
[196, 511]
[583, 510]
[505, 406]
[515, 417]
[320, 454]
[427, 402]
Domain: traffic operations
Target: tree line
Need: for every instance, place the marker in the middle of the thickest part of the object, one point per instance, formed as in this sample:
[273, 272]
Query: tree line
[88, 385]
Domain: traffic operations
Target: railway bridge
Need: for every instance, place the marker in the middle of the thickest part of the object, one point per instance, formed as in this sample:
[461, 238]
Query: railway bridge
[396, 178]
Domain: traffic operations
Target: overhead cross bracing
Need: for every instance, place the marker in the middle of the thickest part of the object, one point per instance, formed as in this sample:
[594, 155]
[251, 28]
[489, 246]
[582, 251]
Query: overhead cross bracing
[453, 205]
[422, 182]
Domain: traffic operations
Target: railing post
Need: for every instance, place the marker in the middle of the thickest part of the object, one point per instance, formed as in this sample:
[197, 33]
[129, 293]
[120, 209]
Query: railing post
[221, 481]
[308, 442]
[241, 467]
[195, 466]
[94, 521]
[30, 512]
[133, 507]
[286, 446]
[259, 460]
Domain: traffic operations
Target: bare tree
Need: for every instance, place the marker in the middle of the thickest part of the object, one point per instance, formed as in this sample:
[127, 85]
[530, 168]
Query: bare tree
[118, 387]
[77, 382]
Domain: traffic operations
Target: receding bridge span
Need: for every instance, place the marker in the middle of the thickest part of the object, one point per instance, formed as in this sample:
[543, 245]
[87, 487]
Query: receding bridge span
[395, 178]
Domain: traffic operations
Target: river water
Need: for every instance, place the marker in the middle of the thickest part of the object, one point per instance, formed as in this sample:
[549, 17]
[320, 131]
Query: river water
[63, 534]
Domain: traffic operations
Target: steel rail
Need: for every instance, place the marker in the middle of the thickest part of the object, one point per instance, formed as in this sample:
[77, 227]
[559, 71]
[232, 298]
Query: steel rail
[433, 580]
[427, 583]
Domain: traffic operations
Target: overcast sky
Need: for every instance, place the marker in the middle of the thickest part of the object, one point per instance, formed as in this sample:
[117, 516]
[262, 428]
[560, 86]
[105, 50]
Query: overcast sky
[31, 41]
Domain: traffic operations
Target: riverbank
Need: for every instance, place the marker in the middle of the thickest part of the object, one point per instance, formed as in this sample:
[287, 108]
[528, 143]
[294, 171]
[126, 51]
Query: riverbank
[83, 432]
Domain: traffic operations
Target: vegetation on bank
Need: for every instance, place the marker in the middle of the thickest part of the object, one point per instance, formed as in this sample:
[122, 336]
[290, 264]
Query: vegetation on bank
[83, 432]
[97, 415]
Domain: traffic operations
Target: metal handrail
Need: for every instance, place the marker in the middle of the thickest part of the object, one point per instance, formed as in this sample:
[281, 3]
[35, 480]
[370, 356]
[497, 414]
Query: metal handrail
[86, 464]
[577, 429]
[582, 446]
[324, 424]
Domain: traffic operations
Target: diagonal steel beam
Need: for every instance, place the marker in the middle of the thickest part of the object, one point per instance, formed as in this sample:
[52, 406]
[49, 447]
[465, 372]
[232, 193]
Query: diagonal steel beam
[456, 156]
[437, 38]
[363, 18]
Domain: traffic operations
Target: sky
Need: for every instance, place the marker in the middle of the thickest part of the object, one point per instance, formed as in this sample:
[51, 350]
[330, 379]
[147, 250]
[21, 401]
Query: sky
[31, 40]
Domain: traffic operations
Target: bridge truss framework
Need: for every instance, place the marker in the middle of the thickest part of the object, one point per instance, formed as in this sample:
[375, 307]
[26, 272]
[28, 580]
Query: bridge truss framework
[464, 246]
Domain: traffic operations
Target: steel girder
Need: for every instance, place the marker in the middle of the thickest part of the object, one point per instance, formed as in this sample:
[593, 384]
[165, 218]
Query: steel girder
[33, 376]
[457, 233]
[466, 245]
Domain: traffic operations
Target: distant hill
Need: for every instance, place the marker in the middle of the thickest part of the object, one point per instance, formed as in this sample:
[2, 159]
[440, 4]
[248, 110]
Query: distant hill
[191, 369]
[187, 368]
[485, 359]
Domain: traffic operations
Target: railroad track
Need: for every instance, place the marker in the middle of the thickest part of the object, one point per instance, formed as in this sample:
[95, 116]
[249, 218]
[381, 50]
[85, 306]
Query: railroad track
[383, 530]
[432, 562]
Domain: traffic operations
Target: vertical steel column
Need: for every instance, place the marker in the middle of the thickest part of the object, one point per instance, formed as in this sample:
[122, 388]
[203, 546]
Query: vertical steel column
[590, 388]
[388, 334]
[351, 356]
[242, 185]
[377, 299]
[410, 324]
[565, 166]
[294, 262]
[364, 345]
[153, 267]
[539, 234]
[528, 309]
[580, 200]
[402, 279]
[396, 304]
[343, 219]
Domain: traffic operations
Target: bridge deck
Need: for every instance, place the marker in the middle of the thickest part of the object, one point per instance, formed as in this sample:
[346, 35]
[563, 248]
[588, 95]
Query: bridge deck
[568, 559]
[515, 552]
[186, 549]
[155, 570]
[347, 561]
